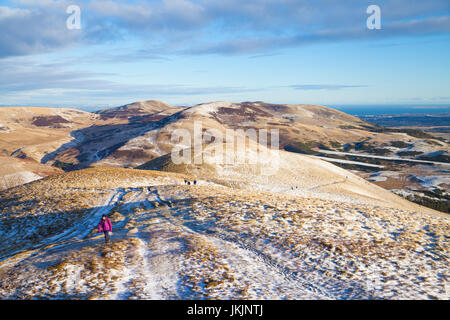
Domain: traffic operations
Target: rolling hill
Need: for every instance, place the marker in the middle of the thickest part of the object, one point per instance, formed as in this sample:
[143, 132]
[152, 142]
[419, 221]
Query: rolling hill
[131, 135]
[262, 169]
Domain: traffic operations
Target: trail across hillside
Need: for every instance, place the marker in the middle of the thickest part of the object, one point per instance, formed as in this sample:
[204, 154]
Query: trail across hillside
[327, 184]
[177, 241]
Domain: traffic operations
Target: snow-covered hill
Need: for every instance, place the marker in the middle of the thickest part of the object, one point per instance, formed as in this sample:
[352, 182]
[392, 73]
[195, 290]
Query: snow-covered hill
[264, 169]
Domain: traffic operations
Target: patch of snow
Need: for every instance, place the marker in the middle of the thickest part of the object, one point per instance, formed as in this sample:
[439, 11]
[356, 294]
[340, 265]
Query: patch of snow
[208, 108]
[434, 181]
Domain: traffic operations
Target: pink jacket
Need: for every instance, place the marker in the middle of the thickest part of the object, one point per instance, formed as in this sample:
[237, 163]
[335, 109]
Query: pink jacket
[105, 225]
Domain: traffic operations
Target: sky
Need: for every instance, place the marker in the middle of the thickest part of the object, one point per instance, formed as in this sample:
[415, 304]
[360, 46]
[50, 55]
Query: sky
[185, 52]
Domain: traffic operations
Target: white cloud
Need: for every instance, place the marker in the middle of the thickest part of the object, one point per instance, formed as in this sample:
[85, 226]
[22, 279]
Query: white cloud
[6, 12]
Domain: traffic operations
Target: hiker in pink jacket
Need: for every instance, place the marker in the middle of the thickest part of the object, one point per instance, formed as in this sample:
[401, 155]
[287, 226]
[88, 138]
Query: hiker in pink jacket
[105, 226]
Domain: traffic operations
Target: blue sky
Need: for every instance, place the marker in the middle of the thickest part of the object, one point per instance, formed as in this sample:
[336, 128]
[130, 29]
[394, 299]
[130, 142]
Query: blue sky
[185, 52]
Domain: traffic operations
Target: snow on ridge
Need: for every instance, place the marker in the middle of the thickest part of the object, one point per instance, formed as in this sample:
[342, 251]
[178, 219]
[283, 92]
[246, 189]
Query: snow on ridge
[207, 108]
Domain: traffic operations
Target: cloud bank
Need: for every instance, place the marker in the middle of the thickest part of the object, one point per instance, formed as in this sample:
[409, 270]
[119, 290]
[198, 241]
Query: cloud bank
[212, 27]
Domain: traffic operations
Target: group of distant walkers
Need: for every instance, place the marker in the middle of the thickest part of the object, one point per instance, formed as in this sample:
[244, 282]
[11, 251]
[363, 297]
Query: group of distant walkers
[189, 183]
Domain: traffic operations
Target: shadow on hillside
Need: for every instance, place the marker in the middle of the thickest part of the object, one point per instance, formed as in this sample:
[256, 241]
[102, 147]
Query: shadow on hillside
[59, 229]
[30, 232]
[94, 143]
